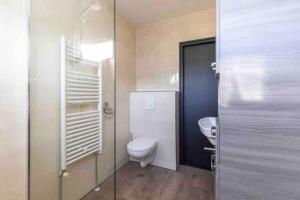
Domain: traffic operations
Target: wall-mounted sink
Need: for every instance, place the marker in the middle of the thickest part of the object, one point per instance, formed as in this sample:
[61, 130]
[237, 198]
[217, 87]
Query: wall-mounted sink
[208, 128]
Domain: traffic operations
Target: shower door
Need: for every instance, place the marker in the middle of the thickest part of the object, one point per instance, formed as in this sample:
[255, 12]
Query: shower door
[259, 100]
[72, 99]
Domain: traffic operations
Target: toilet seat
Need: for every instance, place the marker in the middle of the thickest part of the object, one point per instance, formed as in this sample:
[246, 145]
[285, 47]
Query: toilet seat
[142, 145]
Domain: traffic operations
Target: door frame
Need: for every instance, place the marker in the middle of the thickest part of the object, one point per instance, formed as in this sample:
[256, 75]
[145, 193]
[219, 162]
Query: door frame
[182, 45]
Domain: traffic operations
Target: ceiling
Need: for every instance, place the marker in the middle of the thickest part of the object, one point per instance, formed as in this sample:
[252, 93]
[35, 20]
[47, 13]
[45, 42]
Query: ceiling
[146, 11]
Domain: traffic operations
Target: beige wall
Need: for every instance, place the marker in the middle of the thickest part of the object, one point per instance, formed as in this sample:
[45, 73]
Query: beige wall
[126, 81]
[13, 100]
[157, 47]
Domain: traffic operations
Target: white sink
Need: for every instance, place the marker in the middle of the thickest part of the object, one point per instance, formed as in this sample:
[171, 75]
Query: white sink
[206, 125]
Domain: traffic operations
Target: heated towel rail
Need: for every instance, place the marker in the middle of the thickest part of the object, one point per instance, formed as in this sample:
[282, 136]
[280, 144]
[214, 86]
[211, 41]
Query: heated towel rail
[81, 132]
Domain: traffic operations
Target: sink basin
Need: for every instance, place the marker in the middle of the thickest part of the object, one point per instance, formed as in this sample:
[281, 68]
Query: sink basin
[205, 125]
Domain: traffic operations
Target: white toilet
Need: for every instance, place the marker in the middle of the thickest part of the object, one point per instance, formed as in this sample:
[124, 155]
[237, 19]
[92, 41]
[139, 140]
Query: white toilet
[142, 150]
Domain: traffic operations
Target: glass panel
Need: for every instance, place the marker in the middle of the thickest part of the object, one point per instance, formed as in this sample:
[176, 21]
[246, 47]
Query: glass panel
[13, 99]
[72, 99]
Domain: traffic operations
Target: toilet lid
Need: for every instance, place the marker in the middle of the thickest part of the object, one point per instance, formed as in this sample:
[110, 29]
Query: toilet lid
[141, 144]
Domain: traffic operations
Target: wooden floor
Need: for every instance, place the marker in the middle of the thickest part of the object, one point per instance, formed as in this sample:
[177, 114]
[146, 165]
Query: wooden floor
[153, 183]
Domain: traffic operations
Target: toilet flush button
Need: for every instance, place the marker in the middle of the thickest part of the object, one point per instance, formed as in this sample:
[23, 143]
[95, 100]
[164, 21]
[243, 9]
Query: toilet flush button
[150, 104]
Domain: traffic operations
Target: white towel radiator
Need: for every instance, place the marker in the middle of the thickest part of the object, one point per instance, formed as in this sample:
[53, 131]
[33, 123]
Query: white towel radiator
[81, 132]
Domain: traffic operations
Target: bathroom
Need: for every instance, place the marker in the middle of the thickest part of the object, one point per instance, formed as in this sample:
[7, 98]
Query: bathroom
[149, 99]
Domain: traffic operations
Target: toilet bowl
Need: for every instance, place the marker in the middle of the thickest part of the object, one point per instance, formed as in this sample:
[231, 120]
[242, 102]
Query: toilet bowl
[142, 150]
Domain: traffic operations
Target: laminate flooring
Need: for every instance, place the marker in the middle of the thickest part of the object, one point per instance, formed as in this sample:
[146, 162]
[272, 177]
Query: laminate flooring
[154, 183]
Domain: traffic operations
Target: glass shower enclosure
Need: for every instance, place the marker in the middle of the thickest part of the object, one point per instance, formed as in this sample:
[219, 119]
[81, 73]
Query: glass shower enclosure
[72, 99]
